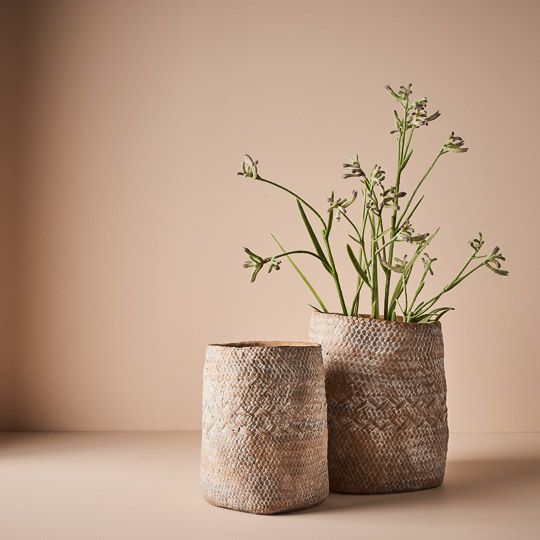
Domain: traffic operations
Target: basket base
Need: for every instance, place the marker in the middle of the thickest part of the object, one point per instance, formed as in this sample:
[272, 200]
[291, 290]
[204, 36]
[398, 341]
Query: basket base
[383, 491]
[266, 512]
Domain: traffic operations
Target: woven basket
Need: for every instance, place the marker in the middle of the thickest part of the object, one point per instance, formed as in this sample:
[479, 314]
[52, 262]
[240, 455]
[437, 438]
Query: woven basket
[386, 393]
[264, 437]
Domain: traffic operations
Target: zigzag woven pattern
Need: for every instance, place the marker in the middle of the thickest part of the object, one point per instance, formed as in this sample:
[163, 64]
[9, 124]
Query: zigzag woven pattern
[264, 438]
[386, 393]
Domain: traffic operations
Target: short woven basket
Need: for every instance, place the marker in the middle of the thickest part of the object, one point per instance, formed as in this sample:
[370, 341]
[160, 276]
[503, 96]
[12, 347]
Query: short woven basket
[386, 393]
[264, 437]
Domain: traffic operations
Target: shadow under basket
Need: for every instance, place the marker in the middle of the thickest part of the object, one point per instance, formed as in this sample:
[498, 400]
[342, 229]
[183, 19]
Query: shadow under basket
[264, 433]
[386, 392]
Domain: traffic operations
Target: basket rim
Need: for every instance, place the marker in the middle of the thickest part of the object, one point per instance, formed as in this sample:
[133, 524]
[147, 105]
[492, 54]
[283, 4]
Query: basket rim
[370, 319]
[266, 344]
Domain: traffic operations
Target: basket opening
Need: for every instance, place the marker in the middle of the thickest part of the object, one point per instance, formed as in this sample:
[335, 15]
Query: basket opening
[266, 344]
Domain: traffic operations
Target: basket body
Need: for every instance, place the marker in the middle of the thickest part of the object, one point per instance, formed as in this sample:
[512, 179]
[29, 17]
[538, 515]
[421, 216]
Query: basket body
[386, 393]
[264, 436]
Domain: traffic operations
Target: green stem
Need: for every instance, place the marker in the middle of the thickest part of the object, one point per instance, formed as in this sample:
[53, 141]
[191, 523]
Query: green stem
[360, 235]
[374, 275]
[456, 281]
[422, 180]
[362, 251]
[417, 292]
[297, 252]
[409, 141]
[466, 275]
[421, 247]
[327, 226]
[390, 241]
[356, 230]
[335, 275]
[401, 142]
[405, 293]
[302, 276]
[303, 201]
[406, 217]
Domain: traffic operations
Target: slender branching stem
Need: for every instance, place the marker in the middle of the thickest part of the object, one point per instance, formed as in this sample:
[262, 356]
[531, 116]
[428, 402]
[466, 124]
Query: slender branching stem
[381, 224]
[374, 275]
[296, 196]
[297, 252]
[390, 242]
[460, 276]
[422, 180]
[456, 281]
[303, 277]
[335, 275]
[400, 158]
[408, 271]
[418, 290]
[356, 230]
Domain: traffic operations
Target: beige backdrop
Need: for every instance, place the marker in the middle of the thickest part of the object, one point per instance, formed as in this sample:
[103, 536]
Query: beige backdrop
[8, 30]
[122, 219]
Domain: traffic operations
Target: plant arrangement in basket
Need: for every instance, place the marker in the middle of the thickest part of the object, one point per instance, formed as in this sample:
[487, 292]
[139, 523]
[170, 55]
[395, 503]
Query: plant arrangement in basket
[380, 214]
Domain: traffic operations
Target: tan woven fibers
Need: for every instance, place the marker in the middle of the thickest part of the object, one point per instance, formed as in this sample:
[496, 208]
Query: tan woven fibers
[264, 437]
[386, 393]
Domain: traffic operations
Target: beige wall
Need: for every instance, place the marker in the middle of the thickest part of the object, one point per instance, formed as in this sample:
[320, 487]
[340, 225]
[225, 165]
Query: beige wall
[9, 66]
[130, 219]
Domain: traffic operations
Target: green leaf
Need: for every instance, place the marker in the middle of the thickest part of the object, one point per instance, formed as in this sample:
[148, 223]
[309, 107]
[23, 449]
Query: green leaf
[356, 300]
[357, 266]
[303, 277]
[406, 160]
[329, 223]
[313, 237]
[446, 310]
[433, 315]
[397, 293]
[408, 216]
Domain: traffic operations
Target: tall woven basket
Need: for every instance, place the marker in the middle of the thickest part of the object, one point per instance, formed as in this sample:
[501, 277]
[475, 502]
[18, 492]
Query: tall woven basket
[264, 437]
[386, 393]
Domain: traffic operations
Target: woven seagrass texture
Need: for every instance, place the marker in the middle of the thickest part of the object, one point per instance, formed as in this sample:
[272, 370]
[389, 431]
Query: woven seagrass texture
[386, 392]
[265, 436]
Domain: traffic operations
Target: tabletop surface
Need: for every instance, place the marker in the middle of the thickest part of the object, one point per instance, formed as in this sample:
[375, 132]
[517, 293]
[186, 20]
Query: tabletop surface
[144, 485]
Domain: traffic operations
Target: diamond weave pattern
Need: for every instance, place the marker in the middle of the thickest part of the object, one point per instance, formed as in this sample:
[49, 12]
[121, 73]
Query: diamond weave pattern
[264, 437]
[386, 392]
